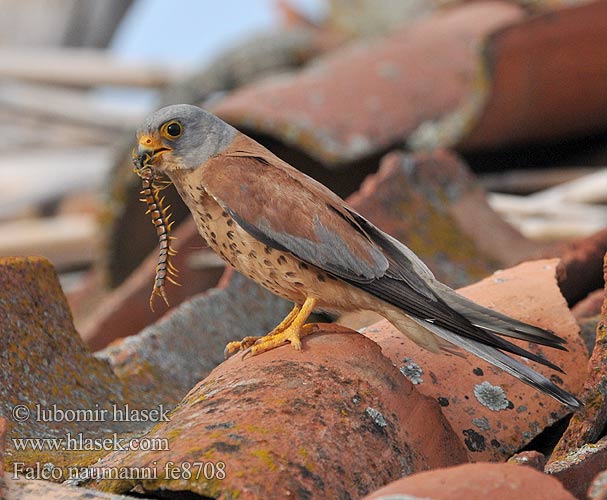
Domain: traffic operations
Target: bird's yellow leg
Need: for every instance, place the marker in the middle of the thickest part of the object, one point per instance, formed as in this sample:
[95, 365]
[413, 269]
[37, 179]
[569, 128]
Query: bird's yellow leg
[247, 342]
[285, 323]
[291, 333]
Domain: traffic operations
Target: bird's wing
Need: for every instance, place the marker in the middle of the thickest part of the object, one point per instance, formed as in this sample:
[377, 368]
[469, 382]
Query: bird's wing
[286, 210]
[491, 322]
[402, 259]
[268, 199]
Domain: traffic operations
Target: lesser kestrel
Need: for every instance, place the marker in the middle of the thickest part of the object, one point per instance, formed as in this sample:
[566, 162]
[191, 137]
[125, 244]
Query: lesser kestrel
[298, 239]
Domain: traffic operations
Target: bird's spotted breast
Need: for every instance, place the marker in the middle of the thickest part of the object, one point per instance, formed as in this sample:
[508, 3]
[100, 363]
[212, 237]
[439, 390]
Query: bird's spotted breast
[278, 271]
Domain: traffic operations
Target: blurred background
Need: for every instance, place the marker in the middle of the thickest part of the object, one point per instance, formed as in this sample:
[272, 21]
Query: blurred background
[505, 102]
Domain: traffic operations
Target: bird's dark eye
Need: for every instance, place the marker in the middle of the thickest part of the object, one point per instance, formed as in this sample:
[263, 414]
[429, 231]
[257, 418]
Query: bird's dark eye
[173, 129]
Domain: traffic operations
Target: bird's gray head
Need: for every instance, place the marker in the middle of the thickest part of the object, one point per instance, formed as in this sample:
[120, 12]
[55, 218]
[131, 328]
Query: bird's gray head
[180, 137]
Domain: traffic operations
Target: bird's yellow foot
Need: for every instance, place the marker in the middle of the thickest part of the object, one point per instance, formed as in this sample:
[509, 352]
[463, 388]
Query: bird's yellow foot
[245, 343]
[240, 345]
[290, 329]
[292, 334]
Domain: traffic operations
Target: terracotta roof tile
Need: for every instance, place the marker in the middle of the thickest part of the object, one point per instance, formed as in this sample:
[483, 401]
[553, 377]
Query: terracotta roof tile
[365, 97]
[586, 426]
[578, 469]
[494, 414]
[547, 79]
[475, 482]
[188, 341]
[475, 75]
[335, 420]
[46, 369]
[432, 203]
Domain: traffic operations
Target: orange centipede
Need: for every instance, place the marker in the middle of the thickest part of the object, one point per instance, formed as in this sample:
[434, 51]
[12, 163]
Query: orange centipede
[151, 188]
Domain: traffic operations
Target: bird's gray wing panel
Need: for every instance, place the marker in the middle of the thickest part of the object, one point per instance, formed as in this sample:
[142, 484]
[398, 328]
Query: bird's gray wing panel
[284, 212]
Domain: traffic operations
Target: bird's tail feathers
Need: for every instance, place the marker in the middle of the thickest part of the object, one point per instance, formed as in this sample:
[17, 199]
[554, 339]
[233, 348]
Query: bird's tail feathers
[416, 331]
[496, 322]
[510, 365]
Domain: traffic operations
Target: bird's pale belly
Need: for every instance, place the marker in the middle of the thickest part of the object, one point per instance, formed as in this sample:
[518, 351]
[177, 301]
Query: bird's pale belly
[278, 271]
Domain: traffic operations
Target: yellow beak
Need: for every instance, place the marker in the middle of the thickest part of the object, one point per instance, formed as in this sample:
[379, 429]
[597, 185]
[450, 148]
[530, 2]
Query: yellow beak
[149, 148]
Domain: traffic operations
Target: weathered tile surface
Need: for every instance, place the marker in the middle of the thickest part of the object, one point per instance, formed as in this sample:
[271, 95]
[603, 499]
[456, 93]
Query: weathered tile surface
[334, 420]
[359, 100]
[493, 413]
[169, 357]
[580, 454]
[577, 469]
[475, 482]
[47, 370]
[588, 425]
[598, 487]
[532, 458]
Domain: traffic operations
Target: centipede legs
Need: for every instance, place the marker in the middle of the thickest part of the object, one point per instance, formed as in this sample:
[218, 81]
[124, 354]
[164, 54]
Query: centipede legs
[151, 188]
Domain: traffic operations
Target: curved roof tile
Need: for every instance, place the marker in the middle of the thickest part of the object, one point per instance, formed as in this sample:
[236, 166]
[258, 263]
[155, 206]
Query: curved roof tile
[362, 98]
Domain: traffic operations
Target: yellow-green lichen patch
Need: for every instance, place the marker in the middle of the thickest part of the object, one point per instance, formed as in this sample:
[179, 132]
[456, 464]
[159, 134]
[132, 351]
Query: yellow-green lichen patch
[266, 457]
[57, 398]
[256, 431]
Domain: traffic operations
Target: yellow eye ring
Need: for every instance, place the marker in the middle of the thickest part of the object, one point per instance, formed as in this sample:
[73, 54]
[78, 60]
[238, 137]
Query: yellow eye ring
[171, 130]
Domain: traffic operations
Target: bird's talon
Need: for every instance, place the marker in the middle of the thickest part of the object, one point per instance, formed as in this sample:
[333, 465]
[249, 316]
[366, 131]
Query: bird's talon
[291, 335]
[239, 345]
[229, 350]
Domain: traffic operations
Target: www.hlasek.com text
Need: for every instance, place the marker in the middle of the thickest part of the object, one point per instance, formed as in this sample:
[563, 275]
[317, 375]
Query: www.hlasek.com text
[79, 442]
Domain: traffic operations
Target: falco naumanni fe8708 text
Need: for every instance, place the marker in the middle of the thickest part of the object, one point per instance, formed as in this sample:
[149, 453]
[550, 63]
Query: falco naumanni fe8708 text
[301, 241]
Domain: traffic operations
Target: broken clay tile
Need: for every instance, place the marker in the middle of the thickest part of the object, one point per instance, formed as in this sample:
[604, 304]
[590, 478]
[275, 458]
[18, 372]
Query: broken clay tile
[126, 310]
[30, 489]
[46, 368]
[578, 469]
[367, 18]
[598, 487]
[3, 430]
[188, 342]
[363, 18]
[361, 99]
[475, 482]
[580, 270]
[493, 413]
[335, 420]
[588, 425]
[588, 327]
[589, 306]
[432, 203]
[546, 79]
[531, 458]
